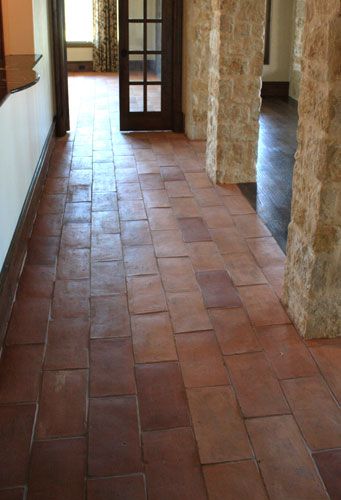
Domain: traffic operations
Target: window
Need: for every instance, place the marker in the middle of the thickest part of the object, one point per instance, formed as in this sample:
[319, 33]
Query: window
[79, 21]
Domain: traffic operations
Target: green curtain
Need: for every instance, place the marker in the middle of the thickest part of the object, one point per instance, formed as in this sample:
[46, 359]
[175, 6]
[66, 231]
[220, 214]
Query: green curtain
[105, 54]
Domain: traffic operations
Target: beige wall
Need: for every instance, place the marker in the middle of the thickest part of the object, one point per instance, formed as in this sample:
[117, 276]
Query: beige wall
[297, 48]
[79, 54]
[281, 42]
[25, 119]
[18, 26]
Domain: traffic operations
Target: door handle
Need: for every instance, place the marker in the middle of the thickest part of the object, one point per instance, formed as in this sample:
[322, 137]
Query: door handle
[124, 53]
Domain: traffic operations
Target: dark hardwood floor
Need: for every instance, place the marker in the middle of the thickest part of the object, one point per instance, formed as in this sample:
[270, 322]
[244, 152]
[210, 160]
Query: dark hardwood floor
[271, 195]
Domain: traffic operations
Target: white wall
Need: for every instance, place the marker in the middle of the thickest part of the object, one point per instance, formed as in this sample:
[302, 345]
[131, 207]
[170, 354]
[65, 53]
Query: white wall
[25, 120]
[281, 42]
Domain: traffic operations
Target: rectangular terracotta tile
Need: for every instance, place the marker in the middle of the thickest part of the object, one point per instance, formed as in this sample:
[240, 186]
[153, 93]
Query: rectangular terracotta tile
[20, 370]
[129, 487]
[109, 317]
[198, 180]
[16, 423]
[77, 194]
[177, 274]
[126, 175]
[285, 463]
[28, 323]
[216, 217]
[106, 222]
[243, 269]
[172, 174]
[329, 466]
[56, 185]
[205, 256]
[328, 358]
[131, 191]
[187, 311]
[104, 183]
[177, 189]
[74, 264]
[36, 281]
[315, 411]
[156, 198]
[234, 331]
[207, 197]
[169, 244]
[58, 470]
[67, 346]
[238, 205]
[111, 368]
[107, 278]
[201, 360]
[217, 289]
[136, 233]
[235, 480]
[71, 299]
[266, 251]
[227, 189]
[43, 250]
[153, 338]
[80, 163]
[102, 202]
[258, 390]
[162, 397]
[80, 177]
[125, 161]
[161, 219]
[77, 212]
[106, 247]
[250, 226]
[103, 156]
[193, 229]
[132, 210]
[114, 443]
[75, 235]
[185, 207]
[275, 277]
[151, 181]
[263, 306]
[52, 204]
[218, 425]
[48, 225]
[141, 302]
[148, 167]
[172, 466]
[228, 240]
[140, 260]
[286, 352]
[62, 409]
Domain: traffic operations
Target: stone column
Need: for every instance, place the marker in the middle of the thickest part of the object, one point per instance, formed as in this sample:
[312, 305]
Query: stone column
[297, 47]
[313, 274]
[197, 25]
[235, 79]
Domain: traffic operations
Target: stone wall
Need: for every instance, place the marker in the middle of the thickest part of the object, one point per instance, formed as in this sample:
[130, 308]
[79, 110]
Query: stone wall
[235, 69]
[313, 275]
[197, 25]
[297, 48]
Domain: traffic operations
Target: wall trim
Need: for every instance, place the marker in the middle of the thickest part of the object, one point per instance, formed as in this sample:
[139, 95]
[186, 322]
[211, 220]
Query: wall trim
[80, 66]
[275, 89]
[16, 255]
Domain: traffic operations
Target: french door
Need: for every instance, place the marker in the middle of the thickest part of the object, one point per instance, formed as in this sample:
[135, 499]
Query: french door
[150, 64]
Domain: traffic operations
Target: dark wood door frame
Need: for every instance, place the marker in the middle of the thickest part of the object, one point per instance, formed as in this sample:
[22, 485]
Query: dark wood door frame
[60, 67]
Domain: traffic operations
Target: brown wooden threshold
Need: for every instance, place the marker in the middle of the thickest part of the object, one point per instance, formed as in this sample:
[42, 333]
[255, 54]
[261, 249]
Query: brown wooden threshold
[275, 89]
[74, 66]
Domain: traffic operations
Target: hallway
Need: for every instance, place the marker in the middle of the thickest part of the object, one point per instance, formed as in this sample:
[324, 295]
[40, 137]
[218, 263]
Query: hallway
[148, 354]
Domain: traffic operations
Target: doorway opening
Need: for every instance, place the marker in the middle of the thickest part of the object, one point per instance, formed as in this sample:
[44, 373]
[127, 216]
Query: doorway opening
[136, 43]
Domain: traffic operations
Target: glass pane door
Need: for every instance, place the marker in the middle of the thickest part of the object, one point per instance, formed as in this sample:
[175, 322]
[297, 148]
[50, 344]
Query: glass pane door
[145, 64]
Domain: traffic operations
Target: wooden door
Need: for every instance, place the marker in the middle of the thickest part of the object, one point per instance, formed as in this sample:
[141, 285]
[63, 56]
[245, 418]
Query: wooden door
[150, 64]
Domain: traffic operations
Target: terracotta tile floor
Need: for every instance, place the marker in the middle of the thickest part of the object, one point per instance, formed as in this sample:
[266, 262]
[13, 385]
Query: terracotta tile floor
[148, 354]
